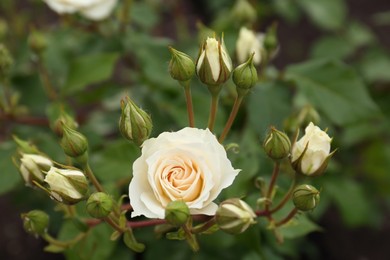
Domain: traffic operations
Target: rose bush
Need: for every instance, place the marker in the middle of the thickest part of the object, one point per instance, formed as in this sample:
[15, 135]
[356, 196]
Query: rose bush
[91, 9]
[311, 152]
[189, 165]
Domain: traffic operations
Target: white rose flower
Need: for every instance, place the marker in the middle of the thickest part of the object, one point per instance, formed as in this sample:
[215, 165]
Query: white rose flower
[189, 165]
[214, 64]
[315, 157]
[247, 43]
[33, 166]
[91, 9]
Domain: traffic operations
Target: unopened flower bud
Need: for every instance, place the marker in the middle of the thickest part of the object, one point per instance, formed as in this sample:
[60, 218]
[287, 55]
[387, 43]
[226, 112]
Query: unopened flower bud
[134, 124]
[37, 42]
[277, 145]
[66, 186]
[214, 65]
[73, 142]
[271, 40]
[181, 66]
[177, 213]
[234, 216]
[6, 62]
[243, 12]
[306, 197]
[245, 76]
[32, 168]
[64, 119]
[250, 42]
[99, 205]
[35, 222]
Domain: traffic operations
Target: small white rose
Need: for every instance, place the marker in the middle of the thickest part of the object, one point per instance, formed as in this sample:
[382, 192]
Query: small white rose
[33, 166]
[188, 165]
[91, 9]
[317, 152]
[247, 43]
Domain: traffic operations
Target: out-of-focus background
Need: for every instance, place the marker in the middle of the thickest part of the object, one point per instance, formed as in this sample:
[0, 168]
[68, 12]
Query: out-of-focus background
[350, 37]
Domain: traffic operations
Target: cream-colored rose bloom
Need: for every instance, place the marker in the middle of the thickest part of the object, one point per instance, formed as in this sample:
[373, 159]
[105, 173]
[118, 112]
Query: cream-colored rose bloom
[189, 165]
[91, 9]
[318, 149]
[247, 43]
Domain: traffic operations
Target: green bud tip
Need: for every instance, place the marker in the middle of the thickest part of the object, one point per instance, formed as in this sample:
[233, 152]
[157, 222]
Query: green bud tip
[234, 216]
[277, 145]
[181, 66]
[99, 205]
[35, 222]
[177, 213]
[37, 42]
[64, 119]
[306, 197]
[73, 142]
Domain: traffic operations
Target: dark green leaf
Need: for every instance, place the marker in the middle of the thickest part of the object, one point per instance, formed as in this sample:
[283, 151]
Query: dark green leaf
[300, 226]
[335, 89]
[9, 176]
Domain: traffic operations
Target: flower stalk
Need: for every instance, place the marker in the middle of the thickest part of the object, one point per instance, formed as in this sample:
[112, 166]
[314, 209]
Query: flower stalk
[232, 117]
[190, 110]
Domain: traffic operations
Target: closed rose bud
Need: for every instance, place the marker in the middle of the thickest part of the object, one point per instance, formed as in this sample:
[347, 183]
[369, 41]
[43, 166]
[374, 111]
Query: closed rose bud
[66, 186]
[306, 197]
[99, 205]
[310, 155]
[64, 119]
[270, 39]
[245, 76]
[134, 124]
[243, 12]
[234, 216]
[277, 145]
[214, 65]
[181, 66]
[37, 42]
[177, 213]
[35, 222]
[32, 168]
[73, 142]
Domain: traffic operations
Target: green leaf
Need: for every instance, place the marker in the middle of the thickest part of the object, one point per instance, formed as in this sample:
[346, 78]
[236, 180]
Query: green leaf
[298, 227]
[327, 14]
[89, 69]
[54, 249]
[114, 161]
[334, 89]
[332, 47]
[375, 65]
[132, 243]
[9, 176]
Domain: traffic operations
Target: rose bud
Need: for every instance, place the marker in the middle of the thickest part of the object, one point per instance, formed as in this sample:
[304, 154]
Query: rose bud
[277, 145]
[37, 42]
[99, 205]
[310, 155]
[181, 66]
[63, 119]
[234, 216]
[177, 213]
[73, 142]
[35, 222]
[134, 124]
[245, 76]
[243, 12]
[306, 197]
[214, 65]
[271, 40]
[66, 186]
[32, 168]
[249, 42]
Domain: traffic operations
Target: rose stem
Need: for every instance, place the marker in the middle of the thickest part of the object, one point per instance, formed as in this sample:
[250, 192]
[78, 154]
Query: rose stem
[92, 178]
[46, 83]
[63, 244]
[232, 116]
[287, 218]
[205, 226]
[214, 91]
[272, 184]
[125, 18]
[285, 198]
[114, 225]
[190, 109]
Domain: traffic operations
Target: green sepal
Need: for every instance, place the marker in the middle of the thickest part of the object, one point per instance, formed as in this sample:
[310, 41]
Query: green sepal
[131, 242]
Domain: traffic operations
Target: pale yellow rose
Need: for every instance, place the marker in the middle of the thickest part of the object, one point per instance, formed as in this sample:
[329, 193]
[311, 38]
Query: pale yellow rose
[317, 152]
[247, 43]
[91, 9]
[189, 165]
